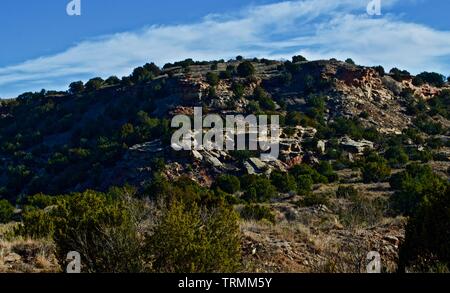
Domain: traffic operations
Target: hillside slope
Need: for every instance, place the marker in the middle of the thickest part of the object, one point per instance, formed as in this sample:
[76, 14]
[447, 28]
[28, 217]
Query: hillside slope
[110, 132]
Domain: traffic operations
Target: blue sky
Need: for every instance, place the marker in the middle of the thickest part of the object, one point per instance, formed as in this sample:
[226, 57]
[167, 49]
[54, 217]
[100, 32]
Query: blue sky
[43, 47]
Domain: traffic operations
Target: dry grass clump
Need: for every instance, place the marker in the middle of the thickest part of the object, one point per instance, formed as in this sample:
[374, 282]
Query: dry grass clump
[25, 255]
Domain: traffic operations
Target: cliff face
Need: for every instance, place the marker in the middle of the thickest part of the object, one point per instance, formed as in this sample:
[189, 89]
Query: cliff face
[353, 90]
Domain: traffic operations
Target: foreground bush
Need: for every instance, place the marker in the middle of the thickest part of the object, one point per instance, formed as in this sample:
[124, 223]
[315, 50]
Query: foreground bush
[414, 185]
[427, 240]
[102, 228]
[190, 239]
[6, 211]
[37, 223]
[117, 232]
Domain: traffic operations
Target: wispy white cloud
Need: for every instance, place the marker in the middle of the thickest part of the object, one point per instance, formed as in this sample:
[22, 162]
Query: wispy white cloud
[315, 28]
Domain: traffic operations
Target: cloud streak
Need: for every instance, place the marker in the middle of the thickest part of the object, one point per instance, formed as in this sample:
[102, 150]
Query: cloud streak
[317, 29]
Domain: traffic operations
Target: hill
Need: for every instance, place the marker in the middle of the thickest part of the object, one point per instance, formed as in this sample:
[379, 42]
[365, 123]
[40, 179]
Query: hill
[345, 130]
[62, 142]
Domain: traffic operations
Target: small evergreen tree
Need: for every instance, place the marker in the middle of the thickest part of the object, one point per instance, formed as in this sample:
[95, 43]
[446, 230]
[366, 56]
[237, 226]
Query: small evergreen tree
[245, 69]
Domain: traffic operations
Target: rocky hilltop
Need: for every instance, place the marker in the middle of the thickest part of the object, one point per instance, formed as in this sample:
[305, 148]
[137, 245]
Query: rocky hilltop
[377, 100]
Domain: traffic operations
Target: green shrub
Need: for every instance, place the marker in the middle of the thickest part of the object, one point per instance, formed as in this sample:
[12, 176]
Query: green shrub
[428, 126]
[431, 78]
[94, 84]
[396, 155]
[183, 188]
[226, 74]
[101, 228]
[435, 143]
[413, 186]
[37, 223]
[212, 79]
[376, 170]
[231, 68]
[315, 199]
[440, 104]
[304, 184]
[116, 232]
[304, 169]
[424, 156]
[326, 169]
[298, 58]
[253, 107]
[364, 115]
[228, 183]
[18, 175]
[343, 126]
[245, 69]
[191, 240]
[257, 213]
[76, 87]
[380, 70]
[6, 211]
[141, 74]
[398, 74]
[427, 241]
[350, 61]
[284, 182]
[112, 80]
[316, 107]
[257, 188]
[264, 99]
[212, 93]
[238, 90]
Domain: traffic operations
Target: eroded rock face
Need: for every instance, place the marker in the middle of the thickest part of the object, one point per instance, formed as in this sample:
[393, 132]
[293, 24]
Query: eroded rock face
[349, 91]
[191, 90]
[356, 89]
[356, 147]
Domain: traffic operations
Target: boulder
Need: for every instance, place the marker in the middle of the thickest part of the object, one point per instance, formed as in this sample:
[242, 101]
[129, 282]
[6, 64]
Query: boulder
[12, 258]
[321, 146]
[213, 160]
[249, 168]
[258, 164]
[196, 154]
